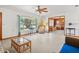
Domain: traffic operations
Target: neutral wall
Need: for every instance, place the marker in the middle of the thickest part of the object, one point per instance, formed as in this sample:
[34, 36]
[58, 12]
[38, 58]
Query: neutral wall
[71, 16]
[10, 21]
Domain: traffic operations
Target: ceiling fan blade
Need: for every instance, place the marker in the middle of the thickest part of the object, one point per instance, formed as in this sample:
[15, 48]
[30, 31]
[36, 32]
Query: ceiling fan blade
[45, 11]
[37, 10]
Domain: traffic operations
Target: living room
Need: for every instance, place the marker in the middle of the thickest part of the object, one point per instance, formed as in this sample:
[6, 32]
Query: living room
[45, 30]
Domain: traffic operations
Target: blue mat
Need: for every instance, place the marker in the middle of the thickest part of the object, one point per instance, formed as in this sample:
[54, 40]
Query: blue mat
[69, 49]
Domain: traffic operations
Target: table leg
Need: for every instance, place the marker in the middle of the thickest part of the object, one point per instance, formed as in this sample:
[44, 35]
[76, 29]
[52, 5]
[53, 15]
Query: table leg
[23, 48]
[70, 31]
[30, 46]
[11, 45]
[18, 49]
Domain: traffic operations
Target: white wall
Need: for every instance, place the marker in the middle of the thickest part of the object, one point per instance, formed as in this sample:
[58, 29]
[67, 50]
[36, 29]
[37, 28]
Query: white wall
[70, 16]
[10, 21]
[73, 17]
[70, 12]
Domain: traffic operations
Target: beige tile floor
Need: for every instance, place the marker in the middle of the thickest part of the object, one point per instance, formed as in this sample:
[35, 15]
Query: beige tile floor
[41, 43]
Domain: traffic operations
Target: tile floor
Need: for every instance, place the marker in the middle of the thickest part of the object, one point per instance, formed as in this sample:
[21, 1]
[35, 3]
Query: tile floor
[41, 43]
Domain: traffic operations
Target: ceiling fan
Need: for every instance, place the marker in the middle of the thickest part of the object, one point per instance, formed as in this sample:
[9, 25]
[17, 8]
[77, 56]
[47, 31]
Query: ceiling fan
[40, 10]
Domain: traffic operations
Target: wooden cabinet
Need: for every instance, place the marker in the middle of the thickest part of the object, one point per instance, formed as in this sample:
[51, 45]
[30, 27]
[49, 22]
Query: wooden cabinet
[72, 41]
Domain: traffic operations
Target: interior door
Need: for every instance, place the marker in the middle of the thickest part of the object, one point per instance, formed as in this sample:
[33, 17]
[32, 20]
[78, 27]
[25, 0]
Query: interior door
[0, 26]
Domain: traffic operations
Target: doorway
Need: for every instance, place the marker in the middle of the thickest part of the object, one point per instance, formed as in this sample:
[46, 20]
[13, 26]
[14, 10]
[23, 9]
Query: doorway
[56, 23]
[0, 26]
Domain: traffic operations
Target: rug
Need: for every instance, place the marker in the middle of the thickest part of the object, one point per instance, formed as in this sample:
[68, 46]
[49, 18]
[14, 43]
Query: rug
[69, 49]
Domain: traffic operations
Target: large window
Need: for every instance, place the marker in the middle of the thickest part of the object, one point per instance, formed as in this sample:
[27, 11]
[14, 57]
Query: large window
[27, 25]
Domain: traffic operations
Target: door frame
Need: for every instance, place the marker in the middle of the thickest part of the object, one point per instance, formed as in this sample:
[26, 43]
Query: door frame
[58, 16]
[1, 27]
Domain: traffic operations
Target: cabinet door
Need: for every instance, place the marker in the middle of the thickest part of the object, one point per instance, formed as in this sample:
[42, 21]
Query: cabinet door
[0, 26]
[72, 41]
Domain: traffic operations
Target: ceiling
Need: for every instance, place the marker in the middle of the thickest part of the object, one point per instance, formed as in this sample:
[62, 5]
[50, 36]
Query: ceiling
[52, 9]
